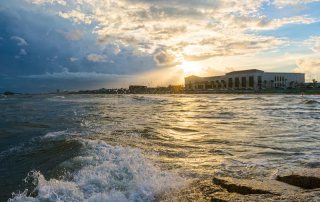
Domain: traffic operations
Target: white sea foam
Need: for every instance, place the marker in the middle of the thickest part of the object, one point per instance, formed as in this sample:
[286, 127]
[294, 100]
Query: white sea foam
[107, 173]
[55, 134]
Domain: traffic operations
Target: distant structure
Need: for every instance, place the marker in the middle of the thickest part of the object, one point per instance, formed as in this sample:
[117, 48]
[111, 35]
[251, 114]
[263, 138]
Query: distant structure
[137, 89]
[171, 89]
[252, 79]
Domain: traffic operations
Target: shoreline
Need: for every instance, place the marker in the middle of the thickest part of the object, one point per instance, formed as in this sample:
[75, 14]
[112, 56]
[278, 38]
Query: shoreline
[271, 92]
[236, 92]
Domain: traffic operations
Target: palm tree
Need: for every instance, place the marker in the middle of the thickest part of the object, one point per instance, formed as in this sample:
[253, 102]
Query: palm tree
[292, 84]
[314, 81]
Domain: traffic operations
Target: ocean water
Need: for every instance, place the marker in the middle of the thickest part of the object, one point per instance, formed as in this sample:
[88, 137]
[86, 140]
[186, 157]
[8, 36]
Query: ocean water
[141, 147]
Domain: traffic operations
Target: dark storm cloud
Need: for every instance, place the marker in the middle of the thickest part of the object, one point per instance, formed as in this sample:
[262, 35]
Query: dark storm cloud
[34, 45]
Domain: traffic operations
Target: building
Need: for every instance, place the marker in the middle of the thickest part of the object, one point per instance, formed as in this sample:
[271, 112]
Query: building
[252, 79]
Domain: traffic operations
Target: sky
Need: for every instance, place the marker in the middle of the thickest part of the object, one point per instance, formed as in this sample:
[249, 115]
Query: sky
[89, 44]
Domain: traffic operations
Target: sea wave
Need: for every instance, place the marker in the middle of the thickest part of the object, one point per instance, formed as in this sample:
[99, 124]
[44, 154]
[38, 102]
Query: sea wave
[29, 145]
[55, 134]
[311, 102]
[21, 148]
[149, 99]
[107, 173]
[241, 98]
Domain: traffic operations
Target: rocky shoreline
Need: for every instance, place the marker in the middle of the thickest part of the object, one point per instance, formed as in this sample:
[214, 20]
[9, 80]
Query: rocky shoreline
[292, 187]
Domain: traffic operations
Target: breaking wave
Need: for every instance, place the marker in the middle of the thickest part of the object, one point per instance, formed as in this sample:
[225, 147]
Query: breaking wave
[104, 173]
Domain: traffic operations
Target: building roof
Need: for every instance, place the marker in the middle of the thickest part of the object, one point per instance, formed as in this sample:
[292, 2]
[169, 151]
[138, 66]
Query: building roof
[197, 78]
[284, 73]
[249, 71]
[245, 71]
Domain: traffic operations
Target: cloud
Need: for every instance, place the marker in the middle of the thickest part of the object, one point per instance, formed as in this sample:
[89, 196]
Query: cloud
[96, 58]
[283, 3]
[166, 32]
[145, 26]
[310, 66]
[73, 59]
[20, 41]
[229, 46]
[314, 43]
[166, 58]
[23, 52]
[62, 2]
[67, 75]
[263, 23]
[75, 35]
[116, 50]
[76, 16]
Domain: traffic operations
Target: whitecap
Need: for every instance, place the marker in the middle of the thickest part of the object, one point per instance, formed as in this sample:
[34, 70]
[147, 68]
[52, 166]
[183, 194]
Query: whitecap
[55, 134]
[107, 173]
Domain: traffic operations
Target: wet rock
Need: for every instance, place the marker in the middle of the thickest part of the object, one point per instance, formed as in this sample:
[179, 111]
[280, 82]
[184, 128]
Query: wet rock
[304, 182]
[237, 188]
[198, 190]
[213, 199]
[220, 190]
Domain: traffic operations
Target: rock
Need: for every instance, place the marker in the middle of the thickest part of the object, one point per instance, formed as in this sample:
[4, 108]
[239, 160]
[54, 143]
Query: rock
[237, 188]
[198, 190]
[213, 199]
[225, 189]
[304, 182]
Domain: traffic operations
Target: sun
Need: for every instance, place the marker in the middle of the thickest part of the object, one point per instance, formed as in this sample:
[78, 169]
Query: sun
[190, 68]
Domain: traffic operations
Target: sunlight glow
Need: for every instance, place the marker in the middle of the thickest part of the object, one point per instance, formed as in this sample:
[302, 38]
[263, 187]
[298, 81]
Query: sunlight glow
[190, 68]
